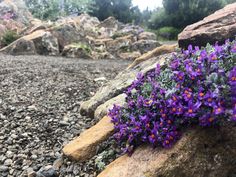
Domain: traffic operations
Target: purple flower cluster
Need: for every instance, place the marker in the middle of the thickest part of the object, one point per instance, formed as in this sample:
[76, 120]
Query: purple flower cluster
[197, 88]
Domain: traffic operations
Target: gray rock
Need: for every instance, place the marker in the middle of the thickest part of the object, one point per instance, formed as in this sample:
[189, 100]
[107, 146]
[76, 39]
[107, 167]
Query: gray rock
[216, 27]
[48, 171]
[3, 168]
[8, 162]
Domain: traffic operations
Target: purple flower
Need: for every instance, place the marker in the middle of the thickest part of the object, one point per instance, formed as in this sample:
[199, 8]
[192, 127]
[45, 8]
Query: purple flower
[202, 57]
[201, 94]
[218, 110]
[187, 94]
[179, 76]
[206, 120]
[233, 50]
[175, 64]
[232, 76]
[192, 109]
[209, 99]
[213, 57]
[234, 115]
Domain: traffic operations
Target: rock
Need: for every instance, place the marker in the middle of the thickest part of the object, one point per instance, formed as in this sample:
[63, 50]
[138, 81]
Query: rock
[48, 171]
[199, 153]
[119, 84]
[8, 162]
[3, 168]
[84, 147]
[131, 29]
[121, 44]
[103, 109]
[108, 27]
[58, 163]
[147, 36]
[39, 42]
[31, 172]
[88, 23]
[216, 27]
[77, 51]
[164, 49]
[100, 79]
[20, 47]
[145, 45]
[129, 55]
[67, 33]
[102, 55]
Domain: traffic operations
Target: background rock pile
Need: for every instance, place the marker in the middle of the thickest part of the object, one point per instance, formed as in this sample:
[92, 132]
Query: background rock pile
[76, 36]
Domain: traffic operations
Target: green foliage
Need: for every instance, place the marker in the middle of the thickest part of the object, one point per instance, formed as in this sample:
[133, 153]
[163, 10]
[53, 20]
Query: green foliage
[120, 9]
[82, 46]
[100, 161]
[169, 33]
[8, 38]
[53, 9]
[180, 13]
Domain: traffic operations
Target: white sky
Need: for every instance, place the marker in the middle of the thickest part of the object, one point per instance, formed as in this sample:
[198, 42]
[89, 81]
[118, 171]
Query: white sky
[151, 4]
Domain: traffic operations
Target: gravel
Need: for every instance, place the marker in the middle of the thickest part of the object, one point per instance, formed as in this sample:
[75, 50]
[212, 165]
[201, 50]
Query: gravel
[39, 102]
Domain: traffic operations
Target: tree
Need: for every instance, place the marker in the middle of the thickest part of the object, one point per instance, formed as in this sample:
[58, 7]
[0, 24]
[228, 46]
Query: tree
[120, 9]
[180, 13]
[52, 9]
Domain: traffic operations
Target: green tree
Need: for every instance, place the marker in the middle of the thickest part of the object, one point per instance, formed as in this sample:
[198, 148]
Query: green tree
[180, 13]
[120, 9]
[52, 9]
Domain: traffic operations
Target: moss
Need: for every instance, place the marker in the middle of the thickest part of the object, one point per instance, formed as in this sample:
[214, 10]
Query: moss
[82, 46]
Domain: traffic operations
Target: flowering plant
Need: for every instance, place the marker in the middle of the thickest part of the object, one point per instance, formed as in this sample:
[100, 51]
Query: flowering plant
[198, 87]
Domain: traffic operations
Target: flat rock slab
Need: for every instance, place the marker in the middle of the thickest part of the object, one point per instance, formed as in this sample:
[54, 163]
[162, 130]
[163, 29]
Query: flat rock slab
[199, 153]
[216, 27]
[103, 109]
[119, 84]
[84, 147]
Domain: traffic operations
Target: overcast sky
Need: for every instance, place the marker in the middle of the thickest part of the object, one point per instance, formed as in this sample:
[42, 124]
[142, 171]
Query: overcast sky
[151, 4]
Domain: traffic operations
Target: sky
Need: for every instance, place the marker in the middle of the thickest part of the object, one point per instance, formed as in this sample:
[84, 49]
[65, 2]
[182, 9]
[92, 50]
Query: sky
[151, 4]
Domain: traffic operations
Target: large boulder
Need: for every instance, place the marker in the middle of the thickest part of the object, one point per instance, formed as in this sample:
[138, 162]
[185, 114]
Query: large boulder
[199, 153]
[67, 33]
[108, 27]
[39, 42]
[217, 27]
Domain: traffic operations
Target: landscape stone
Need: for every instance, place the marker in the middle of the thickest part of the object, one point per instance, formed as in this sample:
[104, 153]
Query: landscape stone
[129, 55]
[84, 147]
[199, 153]
[103, 109]
[77, 51]
[38, 42]
[218, 26]
[147, 36]
[144, 45]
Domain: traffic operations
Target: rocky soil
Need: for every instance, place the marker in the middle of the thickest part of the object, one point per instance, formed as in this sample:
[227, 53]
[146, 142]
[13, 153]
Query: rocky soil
[39, 102]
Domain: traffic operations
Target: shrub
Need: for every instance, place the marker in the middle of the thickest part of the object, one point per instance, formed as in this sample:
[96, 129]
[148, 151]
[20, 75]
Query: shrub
[197, 87]
[169, 33]
[9, 37]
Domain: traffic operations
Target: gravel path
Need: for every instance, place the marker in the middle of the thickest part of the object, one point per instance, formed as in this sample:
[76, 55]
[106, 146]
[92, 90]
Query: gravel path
[39, 102]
